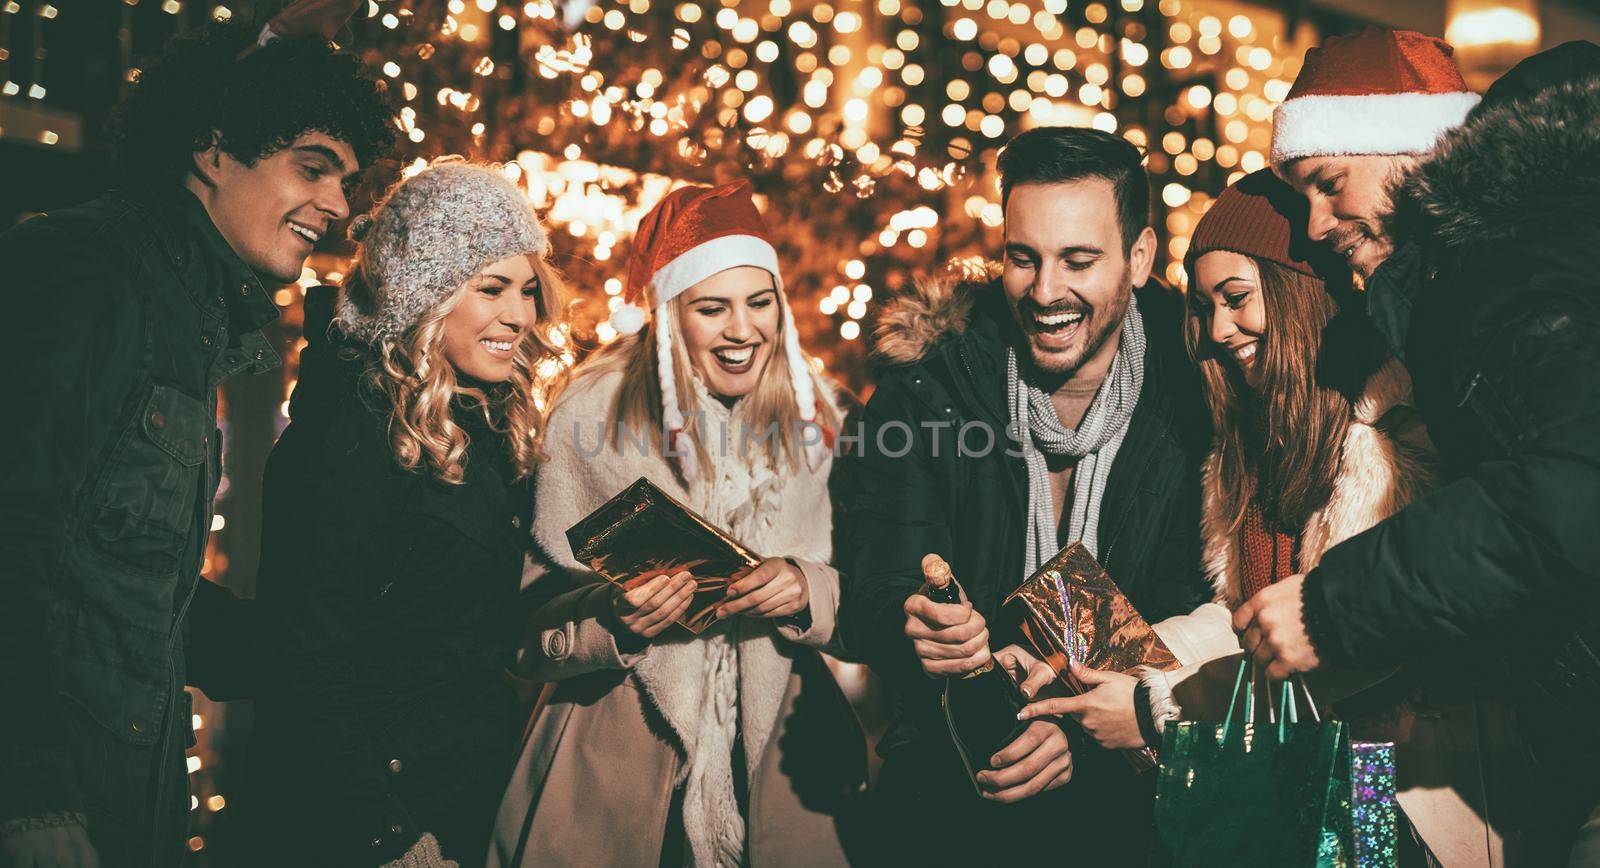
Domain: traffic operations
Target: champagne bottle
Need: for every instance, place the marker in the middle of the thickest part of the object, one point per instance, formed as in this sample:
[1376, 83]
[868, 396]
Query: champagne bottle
[981, 706]
[940, 587]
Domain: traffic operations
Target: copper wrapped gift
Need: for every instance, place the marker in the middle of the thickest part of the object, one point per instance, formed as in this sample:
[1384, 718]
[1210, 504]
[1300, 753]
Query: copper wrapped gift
[643, 533]
[1073, 613]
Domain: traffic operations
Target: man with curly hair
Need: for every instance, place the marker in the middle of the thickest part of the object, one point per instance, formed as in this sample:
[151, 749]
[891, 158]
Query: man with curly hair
[123, 317]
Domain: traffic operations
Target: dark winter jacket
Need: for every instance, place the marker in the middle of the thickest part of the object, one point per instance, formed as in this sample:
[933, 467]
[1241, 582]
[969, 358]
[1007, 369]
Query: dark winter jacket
[389, 617]
[909, 492]
[1494, 306]
[122, 317]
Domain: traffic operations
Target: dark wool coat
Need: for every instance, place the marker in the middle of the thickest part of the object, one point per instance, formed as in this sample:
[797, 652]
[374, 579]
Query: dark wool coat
[389, 616]
[1494, 306]
[909, 491]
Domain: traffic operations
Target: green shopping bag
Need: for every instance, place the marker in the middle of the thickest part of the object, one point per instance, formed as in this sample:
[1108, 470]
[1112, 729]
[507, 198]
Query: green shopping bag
[1240, 793]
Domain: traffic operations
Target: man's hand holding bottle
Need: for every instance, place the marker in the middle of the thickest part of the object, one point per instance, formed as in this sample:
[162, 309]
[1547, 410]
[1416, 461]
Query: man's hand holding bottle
[951, 640]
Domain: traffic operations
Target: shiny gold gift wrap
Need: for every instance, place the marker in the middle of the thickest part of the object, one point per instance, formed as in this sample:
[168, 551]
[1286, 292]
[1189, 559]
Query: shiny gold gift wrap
[1072, 612]
[643, 533]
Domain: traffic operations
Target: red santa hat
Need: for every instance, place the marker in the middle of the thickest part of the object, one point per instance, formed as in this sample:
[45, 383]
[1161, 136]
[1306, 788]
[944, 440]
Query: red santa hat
[690, 235]
[1376, 92]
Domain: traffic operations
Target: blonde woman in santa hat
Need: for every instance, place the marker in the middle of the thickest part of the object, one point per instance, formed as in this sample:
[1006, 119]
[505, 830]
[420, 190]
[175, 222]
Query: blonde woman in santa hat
[651, 745]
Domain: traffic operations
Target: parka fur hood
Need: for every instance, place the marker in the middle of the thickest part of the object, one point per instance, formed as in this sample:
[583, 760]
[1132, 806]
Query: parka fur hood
[935, 308]
[1516, 168]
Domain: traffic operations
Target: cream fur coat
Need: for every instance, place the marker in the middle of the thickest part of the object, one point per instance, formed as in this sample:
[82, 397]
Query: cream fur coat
[615, 733]
[1446, 754]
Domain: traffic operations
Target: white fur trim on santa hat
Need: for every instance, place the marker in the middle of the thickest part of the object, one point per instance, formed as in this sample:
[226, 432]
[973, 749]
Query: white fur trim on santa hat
[703, 260]
[1393, 123]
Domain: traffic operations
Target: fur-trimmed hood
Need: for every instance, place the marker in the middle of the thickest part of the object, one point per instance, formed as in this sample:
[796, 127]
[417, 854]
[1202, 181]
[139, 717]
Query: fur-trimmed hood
[1517, 167]
[1387, 461]
[916, 320]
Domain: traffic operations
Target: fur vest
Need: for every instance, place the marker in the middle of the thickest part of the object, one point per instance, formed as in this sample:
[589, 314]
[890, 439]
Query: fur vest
[1386, 463]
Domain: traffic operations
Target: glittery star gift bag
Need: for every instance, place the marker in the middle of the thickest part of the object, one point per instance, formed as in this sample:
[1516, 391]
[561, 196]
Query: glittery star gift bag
[1279, 792]
[1373, 809]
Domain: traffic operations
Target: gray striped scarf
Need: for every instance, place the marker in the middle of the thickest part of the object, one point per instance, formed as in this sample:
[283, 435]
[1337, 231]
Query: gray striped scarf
[1094, 444]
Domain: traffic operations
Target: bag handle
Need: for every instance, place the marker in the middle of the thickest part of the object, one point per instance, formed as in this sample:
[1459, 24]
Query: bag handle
[1249, 696]
[1310, 702]
[1288, 710]
[1290, 713]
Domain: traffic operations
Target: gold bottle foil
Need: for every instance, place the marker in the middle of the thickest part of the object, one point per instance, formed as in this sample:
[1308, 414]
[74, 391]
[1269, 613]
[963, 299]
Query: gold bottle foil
[643, 533]
[1072, 612]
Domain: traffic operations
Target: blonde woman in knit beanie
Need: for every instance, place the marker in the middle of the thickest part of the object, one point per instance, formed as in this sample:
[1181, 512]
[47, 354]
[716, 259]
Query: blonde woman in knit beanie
[653, 745]
[1315, 441]
[395, 526]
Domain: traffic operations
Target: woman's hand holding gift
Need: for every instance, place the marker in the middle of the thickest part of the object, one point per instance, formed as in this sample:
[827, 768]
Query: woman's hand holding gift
[1105, 711]
[649, 609]
[774, 589]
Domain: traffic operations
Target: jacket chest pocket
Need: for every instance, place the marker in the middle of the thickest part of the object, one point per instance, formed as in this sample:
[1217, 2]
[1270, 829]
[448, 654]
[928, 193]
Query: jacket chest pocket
[143, 509]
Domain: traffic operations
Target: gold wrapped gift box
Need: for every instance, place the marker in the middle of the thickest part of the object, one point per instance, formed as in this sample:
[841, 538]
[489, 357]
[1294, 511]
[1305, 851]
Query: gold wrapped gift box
[643, 533]
[1072, 612]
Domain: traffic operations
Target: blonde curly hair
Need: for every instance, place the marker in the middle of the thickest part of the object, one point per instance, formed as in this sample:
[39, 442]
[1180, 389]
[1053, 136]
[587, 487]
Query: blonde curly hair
[420, 386]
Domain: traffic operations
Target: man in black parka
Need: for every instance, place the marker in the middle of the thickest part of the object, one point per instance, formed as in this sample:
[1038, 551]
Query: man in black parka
[123, 316]
[1480, 269]
[937, 469]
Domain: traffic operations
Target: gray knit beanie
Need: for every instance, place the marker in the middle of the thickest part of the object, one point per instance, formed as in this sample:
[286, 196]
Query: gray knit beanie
[435, 230]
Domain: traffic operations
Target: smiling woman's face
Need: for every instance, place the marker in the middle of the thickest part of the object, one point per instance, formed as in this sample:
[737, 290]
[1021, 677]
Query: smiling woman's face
[497, 311]
[1227, 299]
[730, 328]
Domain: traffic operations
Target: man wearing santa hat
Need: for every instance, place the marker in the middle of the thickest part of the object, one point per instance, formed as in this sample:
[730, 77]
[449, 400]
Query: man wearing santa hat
[1472, 224]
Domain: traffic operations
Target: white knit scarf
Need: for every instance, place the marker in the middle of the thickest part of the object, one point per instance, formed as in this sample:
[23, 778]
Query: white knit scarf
[695, 681]
[1094, 444]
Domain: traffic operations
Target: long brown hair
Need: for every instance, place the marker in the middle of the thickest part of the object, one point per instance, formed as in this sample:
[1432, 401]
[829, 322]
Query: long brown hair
[1281, 443]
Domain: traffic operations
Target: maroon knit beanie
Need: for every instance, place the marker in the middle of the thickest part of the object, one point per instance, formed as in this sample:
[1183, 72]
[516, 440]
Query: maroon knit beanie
[1261, 216]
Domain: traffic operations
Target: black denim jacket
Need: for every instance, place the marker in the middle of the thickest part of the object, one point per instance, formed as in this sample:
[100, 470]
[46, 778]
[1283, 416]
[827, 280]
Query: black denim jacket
[122, 317]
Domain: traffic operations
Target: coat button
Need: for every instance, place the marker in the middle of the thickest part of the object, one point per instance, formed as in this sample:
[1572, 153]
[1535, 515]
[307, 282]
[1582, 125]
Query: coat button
[260, 354]
[396, 829]
[158, 420]
[137, 725]
[205, 340]
[555, 645]
[395, 766]
[377, 842]
[244, 288]
[516, 522]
